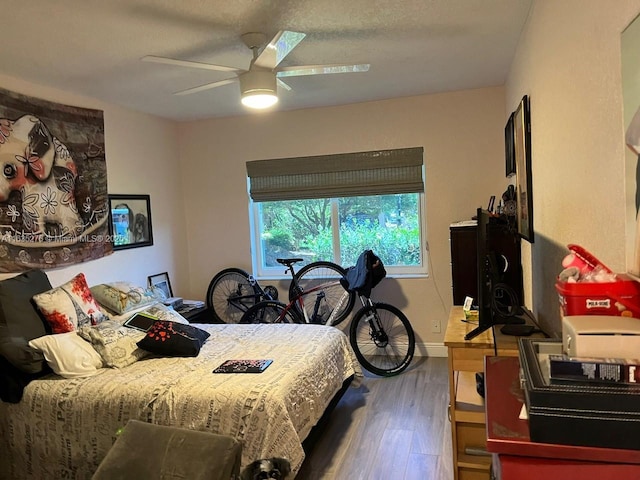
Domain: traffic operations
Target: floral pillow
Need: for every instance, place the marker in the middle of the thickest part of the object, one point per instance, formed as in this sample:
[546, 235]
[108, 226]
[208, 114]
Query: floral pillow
[122, 297]
[69, 306]
[115, 343]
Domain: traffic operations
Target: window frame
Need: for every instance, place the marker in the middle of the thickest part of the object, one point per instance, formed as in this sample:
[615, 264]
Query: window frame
[277, 273]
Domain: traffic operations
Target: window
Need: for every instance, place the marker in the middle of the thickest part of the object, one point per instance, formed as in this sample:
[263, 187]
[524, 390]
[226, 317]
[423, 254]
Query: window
[338, 230]
[296, 212]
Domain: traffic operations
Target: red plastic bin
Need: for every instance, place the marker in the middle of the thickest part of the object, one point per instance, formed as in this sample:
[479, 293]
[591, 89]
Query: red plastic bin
[619, 298]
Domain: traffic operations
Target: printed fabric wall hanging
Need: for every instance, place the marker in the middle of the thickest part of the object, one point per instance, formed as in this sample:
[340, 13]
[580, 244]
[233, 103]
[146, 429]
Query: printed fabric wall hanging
[53, 184]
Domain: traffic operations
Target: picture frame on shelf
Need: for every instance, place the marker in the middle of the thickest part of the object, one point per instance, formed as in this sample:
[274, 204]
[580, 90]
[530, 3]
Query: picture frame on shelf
[522, 149]
[161, 281]
[130, 221]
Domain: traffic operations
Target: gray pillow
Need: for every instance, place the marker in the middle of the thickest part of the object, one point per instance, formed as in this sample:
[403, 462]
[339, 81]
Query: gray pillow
[20, 320]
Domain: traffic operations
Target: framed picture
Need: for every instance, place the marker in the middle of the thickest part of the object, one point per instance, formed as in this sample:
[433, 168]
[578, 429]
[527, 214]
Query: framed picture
[161, 281]
[509, 149]
[130, 221]
[522, 149]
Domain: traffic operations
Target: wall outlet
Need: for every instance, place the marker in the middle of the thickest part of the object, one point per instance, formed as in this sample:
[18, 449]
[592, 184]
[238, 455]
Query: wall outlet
[435, 326]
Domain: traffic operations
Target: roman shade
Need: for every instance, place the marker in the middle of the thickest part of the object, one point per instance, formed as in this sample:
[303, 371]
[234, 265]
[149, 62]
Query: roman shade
[342, 175]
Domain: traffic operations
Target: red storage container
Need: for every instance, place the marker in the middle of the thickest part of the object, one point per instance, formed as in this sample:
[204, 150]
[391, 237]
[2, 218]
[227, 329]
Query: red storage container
[619, 298]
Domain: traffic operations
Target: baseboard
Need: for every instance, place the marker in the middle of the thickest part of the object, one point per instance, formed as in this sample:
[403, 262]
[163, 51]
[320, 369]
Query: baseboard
[430, 350]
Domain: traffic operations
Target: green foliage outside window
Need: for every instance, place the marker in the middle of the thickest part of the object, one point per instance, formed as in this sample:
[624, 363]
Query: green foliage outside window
[387, 224]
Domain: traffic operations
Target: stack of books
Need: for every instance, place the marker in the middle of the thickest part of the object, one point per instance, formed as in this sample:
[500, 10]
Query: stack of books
[189, 305]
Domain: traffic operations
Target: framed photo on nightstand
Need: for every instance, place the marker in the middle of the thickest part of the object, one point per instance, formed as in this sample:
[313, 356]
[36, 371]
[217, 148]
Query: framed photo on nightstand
[161, 281]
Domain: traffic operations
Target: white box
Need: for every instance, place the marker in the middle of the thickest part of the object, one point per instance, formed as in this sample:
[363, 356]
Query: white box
[601, 336]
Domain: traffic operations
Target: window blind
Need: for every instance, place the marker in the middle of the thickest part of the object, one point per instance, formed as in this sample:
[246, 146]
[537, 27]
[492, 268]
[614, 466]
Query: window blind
[340, 175]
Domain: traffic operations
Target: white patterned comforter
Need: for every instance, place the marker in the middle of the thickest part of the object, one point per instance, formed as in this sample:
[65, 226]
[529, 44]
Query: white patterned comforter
[63, 428]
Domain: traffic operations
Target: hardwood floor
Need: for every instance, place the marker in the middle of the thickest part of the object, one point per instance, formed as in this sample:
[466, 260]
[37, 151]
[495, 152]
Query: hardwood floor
[389, 429]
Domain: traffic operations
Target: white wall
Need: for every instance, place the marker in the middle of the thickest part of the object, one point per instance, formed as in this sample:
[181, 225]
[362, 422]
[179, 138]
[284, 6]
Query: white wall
[142, 158]
[568, 61]
[463, 137]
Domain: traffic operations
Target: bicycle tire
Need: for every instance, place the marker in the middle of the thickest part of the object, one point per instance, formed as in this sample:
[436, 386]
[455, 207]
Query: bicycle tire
[385, 356]
[223, 292]
[269, 311]
[316, 273]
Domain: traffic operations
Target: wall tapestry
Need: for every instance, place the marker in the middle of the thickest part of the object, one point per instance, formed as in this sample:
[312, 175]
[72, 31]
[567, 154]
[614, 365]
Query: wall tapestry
[53, 186]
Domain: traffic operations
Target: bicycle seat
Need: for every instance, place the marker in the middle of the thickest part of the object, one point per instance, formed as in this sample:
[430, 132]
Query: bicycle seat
[289, 261]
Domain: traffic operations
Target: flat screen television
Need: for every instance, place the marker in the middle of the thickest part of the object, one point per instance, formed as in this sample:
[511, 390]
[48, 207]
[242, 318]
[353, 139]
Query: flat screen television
[490, 313]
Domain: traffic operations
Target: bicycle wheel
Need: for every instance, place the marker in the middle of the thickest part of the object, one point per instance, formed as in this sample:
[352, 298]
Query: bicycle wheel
[382, 339]
[335, 295]
[230, 294]
[269, 311]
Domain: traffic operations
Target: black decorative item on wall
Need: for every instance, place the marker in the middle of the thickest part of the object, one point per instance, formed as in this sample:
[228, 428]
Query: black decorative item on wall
[130, 221]
[522, 148]
[509, 148]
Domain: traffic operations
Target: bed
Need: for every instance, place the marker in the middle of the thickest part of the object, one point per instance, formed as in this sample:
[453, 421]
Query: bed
[63, 428]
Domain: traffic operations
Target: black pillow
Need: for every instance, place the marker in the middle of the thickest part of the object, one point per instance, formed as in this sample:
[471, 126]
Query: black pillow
[173, 339]
[20, 320]
[13, 381]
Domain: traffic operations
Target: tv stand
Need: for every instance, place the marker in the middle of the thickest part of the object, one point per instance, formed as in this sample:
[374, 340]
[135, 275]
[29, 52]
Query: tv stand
[477, 331]
[520, 319]
[466, 407]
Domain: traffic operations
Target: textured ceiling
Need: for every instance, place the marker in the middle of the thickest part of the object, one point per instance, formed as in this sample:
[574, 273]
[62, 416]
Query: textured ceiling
[93, 48]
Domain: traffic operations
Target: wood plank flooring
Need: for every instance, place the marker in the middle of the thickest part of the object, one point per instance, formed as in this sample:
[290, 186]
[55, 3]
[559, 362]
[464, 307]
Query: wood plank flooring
[389, 429]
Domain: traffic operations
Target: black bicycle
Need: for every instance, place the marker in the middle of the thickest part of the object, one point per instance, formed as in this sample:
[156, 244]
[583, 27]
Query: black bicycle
[380, 334]
[233, 291]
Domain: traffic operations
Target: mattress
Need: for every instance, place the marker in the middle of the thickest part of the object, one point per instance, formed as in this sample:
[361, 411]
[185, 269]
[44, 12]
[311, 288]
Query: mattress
[63, 428]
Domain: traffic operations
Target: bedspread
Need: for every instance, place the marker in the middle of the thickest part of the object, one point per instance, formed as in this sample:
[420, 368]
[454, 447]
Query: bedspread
[63, 428]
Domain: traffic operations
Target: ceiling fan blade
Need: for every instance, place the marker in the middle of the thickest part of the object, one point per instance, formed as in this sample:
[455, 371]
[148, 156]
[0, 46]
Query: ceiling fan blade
[278, 48]
[186, 63]
[206, 86]
[283, 85]
[297, 71]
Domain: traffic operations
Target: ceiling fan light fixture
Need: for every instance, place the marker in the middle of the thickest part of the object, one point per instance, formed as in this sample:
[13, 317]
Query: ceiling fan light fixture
[258, 89]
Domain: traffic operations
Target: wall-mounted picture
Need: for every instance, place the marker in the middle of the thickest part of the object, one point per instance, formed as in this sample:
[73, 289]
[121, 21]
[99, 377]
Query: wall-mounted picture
[509, 148]
[161, 281]
[631, 116]
[130, 221]
[522, 149]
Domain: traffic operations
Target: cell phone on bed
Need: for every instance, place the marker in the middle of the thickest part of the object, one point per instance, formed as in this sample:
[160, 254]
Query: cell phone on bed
[141, 321]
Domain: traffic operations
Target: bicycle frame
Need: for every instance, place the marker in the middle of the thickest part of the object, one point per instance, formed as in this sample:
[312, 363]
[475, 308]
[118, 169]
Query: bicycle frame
[237, 300]
[298, 301]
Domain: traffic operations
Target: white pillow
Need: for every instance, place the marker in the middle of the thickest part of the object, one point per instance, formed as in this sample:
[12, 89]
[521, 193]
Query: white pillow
[68, 354]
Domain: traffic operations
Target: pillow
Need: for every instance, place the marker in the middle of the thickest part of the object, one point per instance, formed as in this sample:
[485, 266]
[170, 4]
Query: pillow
[162, 312]
[68, 354]
[20, 320]
[173, 339]
[13, 381]
[122, 297]
[115, 343]
[69, 306]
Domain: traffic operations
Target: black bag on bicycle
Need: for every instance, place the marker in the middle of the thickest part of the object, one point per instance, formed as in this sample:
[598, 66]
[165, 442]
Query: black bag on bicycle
[365, 274]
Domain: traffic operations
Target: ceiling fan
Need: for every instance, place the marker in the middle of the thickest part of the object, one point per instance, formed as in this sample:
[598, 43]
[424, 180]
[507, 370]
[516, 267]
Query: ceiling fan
[258, 84]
